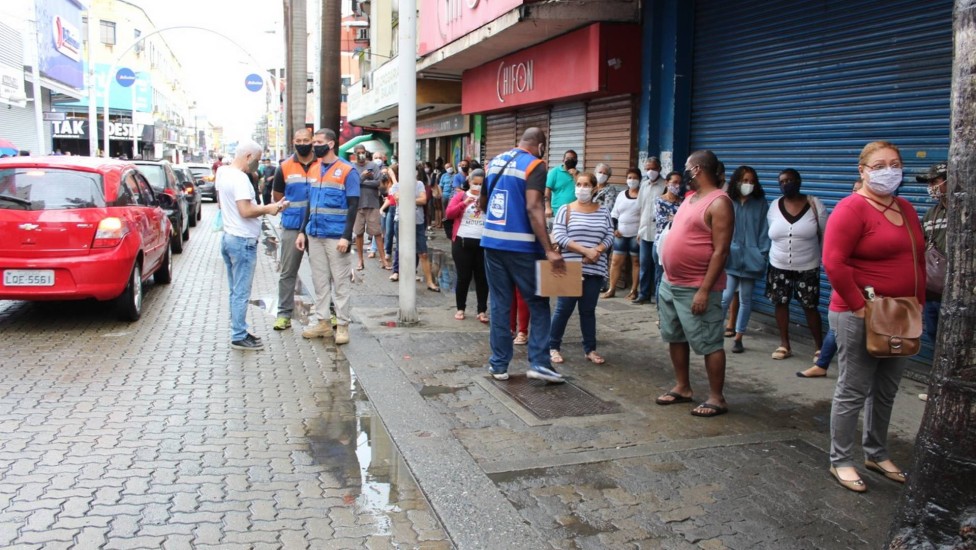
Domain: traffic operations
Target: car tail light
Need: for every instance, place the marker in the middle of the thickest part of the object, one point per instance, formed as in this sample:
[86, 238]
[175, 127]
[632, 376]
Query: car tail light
[110, 233]
[188, 189]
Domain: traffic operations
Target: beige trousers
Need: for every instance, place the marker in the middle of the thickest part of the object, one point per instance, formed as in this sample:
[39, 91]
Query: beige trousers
[331, 275]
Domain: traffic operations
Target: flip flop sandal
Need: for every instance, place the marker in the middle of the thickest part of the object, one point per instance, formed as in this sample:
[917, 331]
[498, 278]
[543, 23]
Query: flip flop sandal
[782, 353]
[555, 356]
[521, 339]
[483, 318]
[595, 358]
[434, 289]
[729, 332]
[676, 398]
[459, 316]
[716, 410]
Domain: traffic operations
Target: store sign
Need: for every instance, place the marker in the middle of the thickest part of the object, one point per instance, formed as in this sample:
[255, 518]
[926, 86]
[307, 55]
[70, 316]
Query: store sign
[437, 127]
[444, 21]
[59, 41]
[12, 86]
[377, 91]
[78, 129]
[598, 60]
[67, 39]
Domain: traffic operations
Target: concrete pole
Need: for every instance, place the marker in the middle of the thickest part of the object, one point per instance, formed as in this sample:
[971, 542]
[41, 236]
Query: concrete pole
[135, 135]
[36, 88]
[407, 117]
[92, 89]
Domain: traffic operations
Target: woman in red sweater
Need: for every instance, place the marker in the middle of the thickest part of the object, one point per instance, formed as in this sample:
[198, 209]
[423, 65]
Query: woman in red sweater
[868, 242]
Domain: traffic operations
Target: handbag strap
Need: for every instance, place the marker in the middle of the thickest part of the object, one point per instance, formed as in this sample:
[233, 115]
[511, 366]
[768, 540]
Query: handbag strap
[911, 239]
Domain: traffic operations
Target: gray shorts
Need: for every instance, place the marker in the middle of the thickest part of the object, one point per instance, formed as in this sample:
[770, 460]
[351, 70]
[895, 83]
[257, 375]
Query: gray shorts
[678, 324]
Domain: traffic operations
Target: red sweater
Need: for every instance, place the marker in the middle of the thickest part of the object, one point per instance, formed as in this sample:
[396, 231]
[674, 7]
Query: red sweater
[862, 248]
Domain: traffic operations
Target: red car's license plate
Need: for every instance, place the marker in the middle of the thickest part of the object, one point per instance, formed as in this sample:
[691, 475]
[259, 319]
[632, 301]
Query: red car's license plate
[28, 277]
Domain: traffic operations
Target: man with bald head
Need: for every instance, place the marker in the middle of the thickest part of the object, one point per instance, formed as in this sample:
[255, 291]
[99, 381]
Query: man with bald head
[690, 296]
[514, 238]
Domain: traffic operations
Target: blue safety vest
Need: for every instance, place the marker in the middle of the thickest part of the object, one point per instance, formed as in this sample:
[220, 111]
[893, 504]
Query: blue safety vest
[297, 182]
[507, 224]
[329, 207]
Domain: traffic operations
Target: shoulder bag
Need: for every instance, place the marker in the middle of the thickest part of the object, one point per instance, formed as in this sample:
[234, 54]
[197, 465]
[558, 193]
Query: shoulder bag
[893, 326]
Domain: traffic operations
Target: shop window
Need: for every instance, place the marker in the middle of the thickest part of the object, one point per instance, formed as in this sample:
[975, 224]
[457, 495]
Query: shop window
[107, 29]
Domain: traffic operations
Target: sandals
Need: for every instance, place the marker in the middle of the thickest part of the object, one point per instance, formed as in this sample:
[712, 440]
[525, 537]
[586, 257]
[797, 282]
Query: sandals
[675, 398]
[708, 410]
[434, 288]
[387, 267]
[632, 296]
[608, 294]
[483, 317]
[729, 332]
[856, 485]
[897, 476]
[360, 267]
[595, 358]
[459, 315]
[521, 339]
[782, 353]
[371, 255]
[555, 356]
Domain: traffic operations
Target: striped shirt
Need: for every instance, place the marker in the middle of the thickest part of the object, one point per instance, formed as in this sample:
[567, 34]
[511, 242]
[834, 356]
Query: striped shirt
[587, 229]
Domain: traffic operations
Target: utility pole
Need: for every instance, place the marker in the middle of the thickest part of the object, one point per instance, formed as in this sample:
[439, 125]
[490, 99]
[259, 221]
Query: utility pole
[938, 508]
[330, 65]
[296, 32]
[92, 87]
[407, 117]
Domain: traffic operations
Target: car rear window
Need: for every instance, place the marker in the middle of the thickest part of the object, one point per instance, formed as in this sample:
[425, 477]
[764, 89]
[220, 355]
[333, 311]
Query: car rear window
[155, 174]
[49, 189]
[200, 172]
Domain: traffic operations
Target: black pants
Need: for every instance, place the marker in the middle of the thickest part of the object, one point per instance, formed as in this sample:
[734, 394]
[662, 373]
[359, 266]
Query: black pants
[469, 259]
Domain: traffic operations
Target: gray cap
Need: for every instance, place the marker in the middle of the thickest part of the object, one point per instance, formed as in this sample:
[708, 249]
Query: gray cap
[935, 171]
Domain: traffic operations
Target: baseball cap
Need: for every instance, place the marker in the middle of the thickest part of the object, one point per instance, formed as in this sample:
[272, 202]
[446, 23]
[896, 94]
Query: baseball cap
[935, 171]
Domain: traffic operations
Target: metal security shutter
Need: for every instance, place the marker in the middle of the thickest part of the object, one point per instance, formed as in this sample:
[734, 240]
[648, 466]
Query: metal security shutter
[780, 84]
[610, 136]
[529, 118]
[567, 124]
[499, 134]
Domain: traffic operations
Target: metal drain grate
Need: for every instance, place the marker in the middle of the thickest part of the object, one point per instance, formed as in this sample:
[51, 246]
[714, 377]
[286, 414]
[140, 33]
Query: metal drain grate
[548, 401]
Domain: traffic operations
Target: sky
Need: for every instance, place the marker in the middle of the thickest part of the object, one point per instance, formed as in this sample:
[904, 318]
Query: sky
[215, 68]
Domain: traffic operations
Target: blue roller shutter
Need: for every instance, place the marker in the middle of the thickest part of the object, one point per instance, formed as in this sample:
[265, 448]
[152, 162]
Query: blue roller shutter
[805, 85]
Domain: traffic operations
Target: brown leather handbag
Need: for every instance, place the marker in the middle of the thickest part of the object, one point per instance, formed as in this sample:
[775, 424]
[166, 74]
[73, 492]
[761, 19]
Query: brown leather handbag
[894, 325]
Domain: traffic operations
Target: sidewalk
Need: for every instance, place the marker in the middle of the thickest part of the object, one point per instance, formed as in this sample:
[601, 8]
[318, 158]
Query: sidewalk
[598, 464]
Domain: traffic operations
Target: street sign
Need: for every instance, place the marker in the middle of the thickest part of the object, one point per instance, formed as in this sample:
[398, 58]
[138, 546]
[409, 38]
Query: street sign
[253, 82]
[125, 77]
[52, 116]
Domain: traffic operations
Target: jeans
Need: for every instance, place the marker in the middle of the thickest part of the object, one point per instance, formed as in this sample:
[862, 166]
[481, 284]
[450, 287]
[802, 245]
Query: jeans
[289, 260]
[648, 273]
[506, 271]
[389, 230]
[930, 318]
[744, 286]
[240, 255]
[827, 350]
[587, 313]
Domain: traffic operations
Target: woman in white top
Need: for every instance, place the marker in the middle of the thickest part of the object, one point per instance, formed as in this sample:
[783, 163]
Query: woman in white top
[469, 258]
[625, 217]
[796, 224]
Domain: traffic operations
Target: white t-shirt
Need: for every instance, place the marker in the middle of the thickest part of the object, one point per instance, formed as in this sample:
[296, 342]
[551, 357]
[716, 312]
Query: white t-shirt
[472, 222]
[233, 185]
[628, 213]
[796, 242]
[419, 191]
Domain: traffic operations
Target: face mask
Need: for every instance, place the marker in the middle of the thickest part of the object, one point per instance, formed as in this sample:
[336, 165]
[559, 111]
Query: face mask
[632, 183]
[322, 150]
[426, 170]
[252, 166]
[450, 170]
[690, 179]
[674, 189]
[746, 189]
[602, 178]
[361, 157]
[570, 163]
[303, 149]
[542, 151]
[652, 174]
[884, 181]
[464, 169]
[935, 191]
[791, 189]
[475, 189]
[584, 194]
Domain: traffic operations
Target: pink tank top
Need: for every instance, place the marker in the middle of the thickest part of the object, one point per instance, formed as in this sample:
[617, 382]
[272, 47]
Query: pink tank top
[689, 244]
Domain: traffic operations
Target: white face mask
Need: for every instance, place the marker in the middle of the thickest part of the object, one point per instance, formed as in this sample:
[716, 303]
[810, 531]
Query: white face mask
[584, 194]
[602, 178]
[885, 181]
[652, 174]
[450, 170]
[632, 183]
[746, 189]
[475, 189]
[674, 189]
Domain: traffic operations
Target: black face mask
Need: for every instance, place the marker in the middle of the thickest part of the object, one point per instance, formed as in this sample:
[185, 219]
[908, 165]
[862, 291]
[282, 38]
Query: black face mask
[321, 150]
[303, 149]
[791, 189]
[687, 182]
[570, 163]
[465, 169]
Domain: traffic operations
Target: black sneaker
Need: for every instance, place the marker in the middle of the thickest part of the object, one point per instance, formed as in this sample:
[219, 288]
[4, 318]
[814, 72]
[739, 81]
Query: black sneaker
[737, 346]
[247, 343]
[253, 337]
[638, 301]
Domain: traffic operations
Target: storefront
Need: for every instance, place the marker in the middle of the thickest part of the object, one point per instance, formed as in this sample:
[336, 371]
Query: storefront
[589, 109]
[71, 136]
[449, 137]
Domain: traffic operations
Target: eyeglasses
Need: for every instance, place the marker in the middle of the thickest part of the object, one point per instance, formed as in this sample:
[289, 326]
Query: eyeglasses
[895, 165]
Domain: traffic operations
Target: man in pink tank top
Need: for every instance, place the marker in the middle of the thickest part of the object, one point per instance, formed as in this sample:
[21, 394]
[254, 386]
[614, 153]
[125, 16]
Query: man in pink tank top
[690, 302]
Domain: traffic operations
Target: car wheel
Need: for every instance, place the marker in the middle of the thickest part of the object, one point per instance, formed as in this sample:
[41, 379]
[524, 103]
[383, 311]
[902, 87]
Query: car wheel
[186, 232]
[130, 302]
[200, 211]
[176, 242]
[194, 216]
[164, 275]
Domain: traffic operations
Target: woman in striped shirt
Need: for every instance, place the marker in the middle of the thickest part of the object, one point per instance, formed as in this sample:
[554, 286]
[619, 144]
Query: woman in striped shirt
[583, 230]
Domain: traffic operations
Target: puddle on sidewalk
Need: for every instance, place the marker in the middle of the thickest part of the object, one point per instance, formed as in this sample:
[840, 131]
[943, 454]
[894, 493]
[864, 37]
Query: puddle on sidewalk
[350, 442]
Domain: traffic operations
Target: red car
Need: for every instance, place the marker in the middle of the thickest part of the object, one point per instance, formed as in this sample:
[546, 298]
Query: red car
[80, 227]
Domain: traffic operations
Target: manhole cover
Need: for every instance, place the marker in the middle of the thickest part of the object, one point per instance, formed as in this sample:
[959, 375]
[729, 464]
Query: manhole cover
[547, 401]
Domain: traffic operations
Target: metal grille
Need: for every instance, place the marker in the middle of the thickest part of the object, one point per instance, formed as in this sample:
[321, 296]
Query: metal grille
[548, 401]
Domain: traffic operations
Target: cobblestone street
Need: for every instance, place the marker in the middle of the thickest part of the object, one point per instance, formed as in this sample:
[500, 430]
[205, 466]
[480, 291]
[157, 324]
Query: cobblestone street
[157, 434]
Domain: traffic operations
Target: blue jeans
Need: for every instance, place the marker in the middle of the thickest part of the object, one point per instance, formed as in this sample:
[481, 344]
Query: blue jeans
[930, 320]
[745, 286]
[240, 254]
[389, 230]
[648, 273]
[587, 313]
[505, 271]
[827, 350]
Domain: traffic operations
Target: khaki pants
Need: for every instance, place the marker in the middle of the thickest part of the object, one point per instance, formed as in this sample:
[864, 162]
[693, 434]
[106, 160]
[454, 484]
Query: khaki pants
[331, 272]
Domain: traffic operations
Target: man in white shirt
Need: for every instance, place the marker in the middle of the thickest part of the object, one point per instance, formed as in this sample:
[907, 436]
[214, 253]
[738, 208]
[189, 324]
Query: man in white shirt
[651, 188]
[239, 244]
